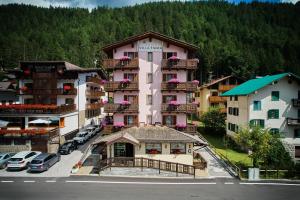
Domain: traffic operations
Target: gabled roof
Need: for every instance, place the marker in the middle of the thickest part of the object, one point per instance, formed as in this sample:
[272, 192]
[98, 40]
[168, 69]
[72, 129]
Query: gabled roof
[256, 84]
[150, 34]
[215, 81]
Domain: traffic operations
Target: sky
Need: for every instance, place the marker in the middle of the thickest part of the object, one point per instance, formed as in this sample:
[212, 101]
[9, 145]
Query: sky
[90, 4]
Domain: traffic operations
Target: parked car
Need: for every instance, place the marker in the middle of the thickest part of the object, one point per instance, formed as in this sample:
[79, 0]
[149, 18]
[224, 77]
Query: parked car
[98, 128]
[91, 131]
[21, 159]
[81, 137]
[4, 158]
[68, 147]
[43, 162]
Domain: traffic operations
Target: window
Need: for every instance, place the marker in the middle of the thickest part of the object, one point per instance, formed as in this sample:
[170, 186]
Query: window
[5, 141]
[167, 55]
[274, 131]
[131, 55]
[167, 77]
[62, 122]
[129, 76]
[297, 133]
[69, 101]
[236, 111]
[149, 99]
[149, 78]
[153, 148]
[297, 151]
[257, 122]
[149, 119]
[230, 110]
[150, 56]
[236, 98]
[273, 114]
[177, 148]
[275, 96]
[130, 119]
[231, 98]
[168, 98]
[119, 149]
[169, 120]
[257, 105]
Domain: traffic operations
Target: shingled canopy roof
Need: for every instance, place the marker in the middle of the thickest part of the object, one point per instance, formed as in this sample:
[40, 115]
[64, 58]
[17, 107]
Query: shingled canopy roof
[150, 134]
[150, 34]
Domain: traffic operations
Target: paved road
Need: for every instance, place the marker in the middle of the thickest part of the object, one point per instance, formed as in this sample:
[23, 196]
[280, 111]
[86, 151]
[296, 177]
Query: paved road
[132, 189]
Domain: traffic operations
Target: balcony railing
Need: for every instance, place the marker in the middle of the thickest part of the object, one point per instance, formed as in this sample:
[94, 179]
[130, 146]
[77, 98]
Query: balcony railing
[113, 64]
[187, 86]
[119, 86]
[58, 91]
[190, 128]
[181, 108]
[52, 132]
[112, 108]
[296, 102]
[94, 94]
[36, 109]
[110, 128]
[94, 80]
[223, 110]
[217, 99]
[180, 64]
[93, 106]
[224, 88]
[293, 121]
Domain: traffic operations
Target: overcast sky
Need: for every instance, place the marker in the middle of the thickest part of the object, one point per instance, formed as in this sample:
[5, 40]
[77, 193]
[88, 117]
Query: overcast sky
[94, 3]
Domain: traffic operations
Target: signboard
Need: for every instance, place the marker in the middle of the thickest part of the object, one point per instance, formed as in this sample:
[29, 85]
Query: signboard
[150, 47]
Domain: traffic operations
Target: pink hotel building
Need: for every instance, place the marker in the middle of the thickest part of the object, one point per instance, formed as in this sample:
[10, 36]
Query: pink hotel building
[151, 81]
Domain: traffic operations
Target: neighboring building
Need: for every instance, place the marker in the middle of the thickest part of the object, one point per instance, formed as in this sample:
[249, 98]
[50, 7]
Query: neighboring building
[208, 95]
[56, 98]
[8, 93]
[152, 142]
[272, 102]
[151, 81]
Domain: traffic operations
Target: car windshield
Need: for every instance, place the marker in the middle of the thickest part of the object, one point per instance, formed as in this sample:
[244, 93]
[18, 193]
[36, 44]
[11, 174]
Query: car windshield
[16, 159]
[81, 134]
[66, 145]
[36, 162]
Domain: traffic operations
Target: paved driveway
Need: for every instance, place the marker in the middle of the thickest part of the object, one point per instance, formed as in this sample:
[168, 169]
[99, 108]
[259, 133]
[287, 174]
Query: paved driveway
[60, 169]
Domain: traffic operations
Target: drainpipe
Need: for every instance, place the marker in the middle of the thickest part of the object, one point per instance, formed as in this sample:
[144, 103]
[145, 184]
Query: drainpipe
[78, 101]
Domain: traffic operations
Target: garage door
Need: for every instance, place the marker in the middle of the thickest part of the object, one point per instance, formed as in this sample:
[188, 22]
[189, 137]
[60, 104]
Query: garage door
[39, 145]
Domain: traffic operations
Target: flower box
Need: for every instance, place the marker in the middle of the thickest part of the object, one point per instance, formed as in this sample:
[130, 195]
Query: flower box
[126, 80]
[173, 58]
[125, 58]
[174, 80]
[173, 103]
[196, 82]
[125, 102]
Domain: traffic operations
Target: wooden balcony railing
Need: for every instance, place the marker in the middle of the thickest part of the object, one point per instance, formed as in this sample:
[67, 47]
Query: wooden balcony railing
[223, 88]
[58, 91]
[93, 106]
[113, 64]
[223, 110]
[94, 94]
[293, 121]
[31, 132]
[119, 108]
[119, 86]
[181, 108]
[189, 64]
[190, 128]
[110, 128]
[36, 109]
[217, 99]
[94, 80]
[187, 86]
[296, 102]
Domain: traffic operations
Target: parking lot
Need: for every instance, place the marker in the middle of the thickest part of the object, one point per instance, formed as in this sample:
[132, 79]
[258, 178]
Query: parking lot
[60, 169]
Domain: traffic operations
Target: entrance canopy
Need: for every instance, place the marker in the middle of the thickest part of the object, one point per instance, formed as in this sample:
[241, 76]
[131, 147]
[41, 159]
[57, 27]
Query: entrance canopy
[40, 121]
[118, 137]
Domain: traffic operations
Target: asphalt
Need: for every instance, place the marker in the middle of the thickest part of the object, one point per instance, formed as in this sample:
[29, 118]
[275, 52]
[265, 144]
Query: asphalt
[87, 187]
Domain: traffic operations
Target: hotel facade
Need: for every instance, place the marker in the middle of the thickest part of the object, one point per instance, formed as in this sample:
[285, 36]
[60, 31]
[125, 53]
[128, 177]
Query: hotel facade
[151, 81]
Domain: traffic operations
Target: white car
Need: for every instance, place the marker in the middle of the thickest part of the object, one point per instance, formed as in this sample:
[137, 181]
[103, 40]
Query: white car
[81, 137]
[91, 131]
[22, 159]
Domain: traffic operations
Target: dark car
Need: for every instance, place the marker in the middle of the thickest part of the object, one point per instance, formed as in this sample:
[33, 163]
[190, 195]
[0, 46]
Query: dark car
[43, 162]
[68, 147]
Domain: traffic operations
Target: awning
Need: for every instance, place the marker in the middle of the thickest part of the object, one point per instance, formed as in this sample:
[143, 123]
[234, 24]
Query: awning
[40, 121]
[3, 123]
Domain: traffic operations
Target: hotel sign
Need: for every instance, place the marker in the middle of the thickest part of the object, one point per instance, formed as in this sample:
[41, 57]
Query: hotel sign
[150, 47]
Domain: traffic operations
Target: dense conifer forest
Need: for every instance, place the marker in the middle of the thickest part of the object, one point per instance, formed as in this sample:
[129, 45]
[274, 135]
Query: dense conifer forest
[244, 39]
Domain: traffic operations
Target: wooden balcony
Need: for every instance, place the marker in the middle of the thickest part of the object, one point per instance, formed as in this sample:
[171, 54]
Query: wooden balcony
[94, 94]
[115, 64]
[50, 132]
[223, 110]
[190, 128]
[93, 106]
[188, 64]
[217, 99]
[293, 121]
[224, 88]
[113, 108]
[58, 91]
[186, 87]
[110, 128]
[119, 86]
[36, 109]
[181, 108]
[296, 102]
[95, 80]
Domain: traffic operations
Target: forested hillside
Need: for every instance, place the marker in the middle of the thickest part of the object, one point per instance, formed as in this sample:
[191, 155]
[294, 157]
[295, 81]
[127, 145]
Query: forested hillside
[244, 39]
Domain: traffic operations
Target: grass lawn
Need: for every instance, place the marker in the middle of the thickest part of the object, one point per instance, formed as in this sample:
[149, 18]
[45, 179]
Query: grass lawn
[234, 156]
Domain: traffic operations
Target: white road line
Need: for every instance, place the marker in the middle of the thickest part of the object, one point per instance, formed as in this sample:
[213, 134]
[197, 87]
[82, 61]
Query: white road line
[7, 181]
[228, 183]
[279, 184]
[50, 181]
[29, 181]
[141, 183]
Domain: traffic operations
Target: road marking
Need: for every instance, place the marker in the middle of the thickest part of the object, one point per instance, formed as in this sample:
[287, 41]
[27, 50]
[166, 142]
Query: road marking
[29, 181]
[50, 181]
[228, 183]
[7, 181]
[279, 184]
[142, 183]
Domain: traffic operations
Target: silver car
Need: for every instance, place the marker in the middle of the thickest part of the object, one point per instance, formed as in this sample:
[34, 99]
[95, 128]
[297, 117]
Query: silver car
[43, 162]
[4, 158]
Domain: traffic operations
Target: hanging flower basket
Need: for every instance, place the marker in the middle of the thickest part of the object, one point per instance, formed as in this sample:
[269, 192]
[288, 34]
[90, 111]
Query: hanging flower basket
[125, 58]
[174, 81]
[173, 58]
[196, 82]
[119, 124]
[173, 103]
[24, 88]
[67, 87]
